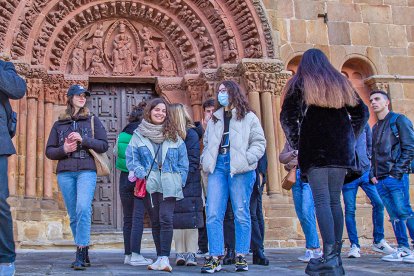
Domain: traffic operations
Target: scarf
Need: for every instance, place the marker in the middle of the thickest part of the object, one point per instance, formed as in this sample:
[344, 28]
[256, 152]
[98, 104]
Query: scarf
[152, 132]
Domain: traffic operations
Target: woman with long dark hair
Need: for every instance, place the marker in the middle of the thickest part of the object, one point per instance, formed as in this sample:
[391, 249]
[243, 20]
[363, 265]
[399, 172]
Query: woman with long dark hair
[157, 152]
[321, 116]
[132, 207]
[69, 142]
[234, 142]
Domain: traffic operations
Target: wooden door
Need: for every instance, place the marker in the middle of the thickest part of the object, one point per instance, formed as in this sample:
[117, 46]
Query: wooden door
[112, 103]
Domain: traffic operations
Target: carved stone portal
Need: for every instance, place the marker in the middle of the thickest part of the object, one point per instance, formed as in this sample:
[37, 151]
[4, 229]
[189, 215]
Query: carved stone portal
[121, 49]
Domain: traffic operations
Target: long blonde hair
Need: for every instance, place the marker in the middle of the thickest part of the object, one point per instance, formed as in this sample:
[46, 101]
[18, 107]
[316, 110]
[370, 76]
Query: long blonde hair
[321, 83]
[181, 119]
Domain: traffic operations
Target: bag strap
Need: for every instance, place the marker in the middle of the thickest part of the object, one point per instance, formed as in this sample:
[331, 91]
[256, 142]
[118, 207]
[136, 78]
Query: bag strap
[393, 125]
[153, 161]
[93, 126]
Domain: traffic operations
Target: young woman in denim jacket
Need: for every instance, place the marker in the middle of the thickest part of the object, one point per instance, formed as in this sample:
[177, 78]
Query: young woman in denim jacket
[234, 142]
[69, 142]
[156, 139]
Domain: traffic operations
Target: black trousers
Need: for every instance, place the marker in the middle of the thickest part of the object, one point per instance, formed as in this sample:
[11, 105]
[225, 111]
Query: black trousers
[7, 250]
[326, 185]
[133, 209]
[202, 235]
[162, 214]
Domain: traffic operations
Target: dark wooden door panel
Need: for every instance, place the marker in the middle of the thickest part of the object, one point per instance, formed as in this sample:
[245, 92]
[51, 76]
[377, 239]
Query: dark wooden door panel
[112, 103]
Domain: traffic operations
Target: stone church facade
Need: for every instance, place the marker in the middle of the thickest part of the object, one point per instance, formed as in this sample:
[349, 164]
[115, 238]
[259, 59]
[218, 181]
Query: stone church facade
[127, 51]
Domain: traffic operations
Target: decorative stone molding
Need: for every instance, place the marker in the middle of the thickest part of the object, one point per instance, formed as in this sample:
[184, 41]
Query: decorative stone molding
[34, 88]
[281, 80]
[7, 9]
[228, 72]
[260, 75]
[267, 29]
[195, 88]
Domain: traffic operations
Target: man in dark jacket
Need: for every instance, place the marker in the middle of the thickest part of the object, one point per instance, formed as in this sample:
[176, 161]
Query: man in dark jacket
[360, 178]
[11, 87]
[391, 158]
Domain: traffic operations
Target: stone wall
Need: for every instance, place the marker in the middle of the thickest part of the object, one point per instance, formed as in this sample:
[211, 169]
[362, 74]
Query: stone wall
[379, 33]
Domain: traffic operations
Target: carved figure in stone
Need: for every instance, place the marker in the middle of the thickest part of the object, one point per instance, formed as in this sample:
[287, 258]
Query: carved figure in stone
[38, 52]
[271, 83]
[96, 13]
[227, 53]
[97, 66]
[122, 57]
[133, 11]
[252, 80]
[97, 40]
[78, 58]
[104, 10]
[147, 68]
[112, 9]
[146, 35]
[166, 62]
[122, 8]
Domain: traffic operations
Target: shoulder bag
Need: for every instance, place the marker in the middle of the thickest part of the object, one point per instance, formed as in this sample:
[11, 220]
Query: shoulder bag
[140, 189]
[102, 162]
[289, 180]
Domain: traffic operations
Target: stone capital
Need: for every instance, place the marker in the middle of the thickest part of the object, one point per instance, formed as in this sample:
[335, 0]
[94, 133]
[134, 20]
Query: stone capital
[34, 88]
[195, 88]
[281, 80]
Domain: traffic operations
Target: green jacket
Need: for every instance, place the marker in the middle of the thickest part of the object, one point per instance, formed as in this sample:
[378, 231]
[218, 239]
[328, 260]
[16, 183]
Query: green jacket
[123, 141]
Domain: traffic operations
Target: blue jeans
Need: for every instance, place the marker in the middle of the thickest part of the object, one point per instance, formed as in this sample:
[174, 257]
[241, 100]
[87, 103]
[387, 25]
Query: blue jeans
[349, 192]
[78, 189]
[221, 186]
[394, 195]
[305, 210]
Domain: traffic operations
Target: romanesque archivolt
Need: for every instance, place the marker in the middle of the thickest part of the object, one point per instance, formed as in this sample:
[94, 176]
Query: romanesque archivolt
[167, 37]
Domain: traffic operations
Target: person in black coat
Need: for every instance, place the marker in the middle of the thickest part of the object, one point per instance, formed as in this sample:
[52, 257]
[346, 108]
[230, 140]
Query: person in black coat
[322, 116]
[188, 212]
[12, 86]
[69, 142]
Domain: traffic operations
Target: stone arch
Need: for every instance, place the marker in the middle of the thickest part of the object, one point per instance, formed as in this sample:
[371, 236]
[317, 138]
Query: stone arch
[357, 70]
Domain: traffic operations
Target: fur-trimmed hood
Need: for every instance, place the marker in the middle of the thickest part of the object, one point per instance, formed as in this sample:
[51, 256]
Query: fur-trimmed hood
[84, 114]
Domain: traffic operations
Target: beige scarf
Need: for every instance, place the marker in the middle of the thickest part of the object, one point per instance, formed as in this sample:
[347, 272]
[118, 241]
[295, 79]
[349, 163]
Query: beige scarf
[153, 132]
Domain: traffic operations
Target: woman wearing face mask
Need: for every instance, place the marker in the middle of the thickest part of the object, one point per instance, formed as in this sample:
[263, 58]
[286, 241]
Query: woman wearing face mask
[233, 144]
[69, 140]
[156, 141]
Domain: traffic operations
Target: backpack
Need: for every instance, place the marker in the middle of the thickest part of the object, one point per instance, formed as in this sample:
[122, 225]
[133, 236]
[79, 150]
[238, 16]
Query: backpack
[11, 117]
[394, 129]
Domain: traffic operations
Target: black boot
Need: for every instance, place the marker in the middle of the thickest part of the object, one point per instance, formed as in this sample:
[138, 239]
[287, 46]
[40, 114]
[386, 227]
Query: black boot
[327, 265]
[259, 258]
[77, 252]
[87, 261]
[80, 259]
[338, 249]
[230, 257]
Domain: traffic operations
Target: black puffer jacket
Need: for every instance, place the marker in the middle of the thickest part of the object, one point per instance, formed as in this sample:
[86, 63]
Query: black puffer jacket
[390, 155]
[188, 213]
[61, 130]
[325, 137]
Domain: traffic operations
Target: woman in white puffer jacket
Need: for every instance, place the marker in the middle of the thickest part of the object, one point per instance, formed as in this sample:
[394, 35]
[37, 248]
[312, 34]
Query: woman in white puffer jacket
[234, 142]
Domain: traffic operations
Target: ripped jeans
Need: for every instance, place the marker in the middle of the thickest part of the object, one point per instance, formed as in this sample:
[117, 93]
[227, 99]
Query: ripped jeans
[393, 195]
[221, 187]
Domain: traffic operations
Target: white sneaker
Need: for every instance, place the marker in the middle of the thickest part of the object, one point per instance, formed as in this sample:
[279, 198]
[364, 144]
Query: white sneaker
[138, 259]
[191, 260]
[354, 251]
[165, 264]
[127, 259]
[382, 247]
[180, 259]
[310, 254]
[155, 265]
[398, 255]
[409, 258]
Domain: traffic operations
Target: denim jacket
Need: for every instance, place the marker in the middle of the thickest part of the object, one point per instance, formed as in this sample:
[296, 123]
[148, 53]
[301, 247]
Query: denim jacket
[172, 177]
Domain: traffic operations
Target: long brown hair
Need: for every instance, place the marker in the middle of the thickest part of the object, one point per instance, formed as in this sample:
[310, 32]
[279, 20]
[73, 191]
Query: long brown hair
[169, 128]
[321, 83]
[181, 119]
[237, 100]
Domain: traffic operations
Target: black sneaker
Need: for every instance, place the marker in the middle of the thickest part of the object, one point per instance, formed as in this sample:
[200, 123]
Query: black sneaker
[211, 265]
[241, 264]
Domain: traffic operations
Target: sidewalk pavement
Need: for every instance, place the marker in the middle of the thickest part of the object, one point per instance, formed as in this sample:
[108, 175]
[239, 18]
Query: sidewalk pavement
[110, 262]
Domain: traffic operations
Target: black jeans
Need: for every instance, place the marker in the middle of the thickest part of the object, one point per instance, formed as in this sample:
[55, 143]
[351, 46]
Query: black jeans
[256, 214]
[326, 185]
[134, 210]
[202, 235]
[7, 251]
[162, 214]
[229, 228]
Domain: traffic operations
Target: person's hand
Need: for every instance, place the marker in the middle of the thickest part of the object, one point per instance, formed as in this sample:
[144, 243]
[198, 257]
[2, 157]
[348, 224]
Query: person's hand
[75, 136]
[374, 180]
[70, 145]
[132, 177]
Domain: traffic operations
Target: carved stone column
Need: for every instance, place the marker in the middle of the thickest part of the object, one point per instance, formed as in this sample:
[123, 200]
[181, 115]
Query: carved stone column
[195, 88]
[51, 92]
[260, 78]
[33, 90]
[40, 153]
[13, 159]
